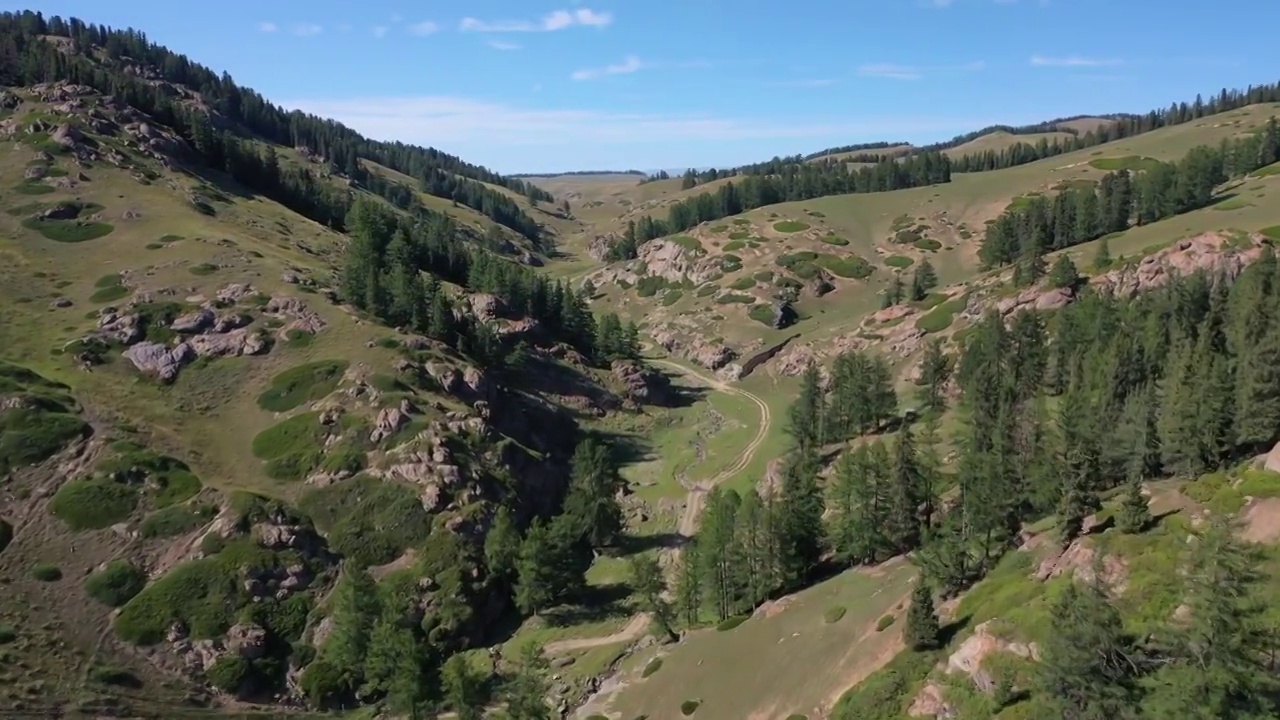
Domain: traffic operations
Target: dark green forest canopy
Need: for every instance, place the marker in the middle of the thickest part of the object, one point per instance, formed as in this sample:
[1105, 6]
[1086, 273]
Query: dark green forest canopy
[26, 58]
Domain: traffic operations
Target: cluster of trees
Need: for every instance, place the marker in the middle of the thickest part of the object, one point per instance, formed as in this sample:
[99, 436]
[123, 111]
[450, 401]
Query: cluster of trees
[394, 267]
[574, 173]
[26, 58]
[1179, 381]
[923, 279]
[797, 182]
[1033, 226]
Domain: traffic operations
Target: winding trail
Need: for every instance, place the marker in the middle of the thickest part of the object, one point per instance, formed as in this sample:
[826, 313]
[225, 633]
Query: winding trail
[694, 500]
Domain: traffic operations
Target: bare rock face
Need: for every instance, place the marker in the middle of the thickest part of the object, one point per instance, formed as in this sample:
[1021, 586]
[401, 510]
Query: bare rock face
[304, 318]
[712, 357]
[675, 262]
[159, 361]
[229, 344]
[599, 246]
[931, 703]
[1035, 299]
[389, 421]
[1079, 559]
[247, 640]
[1215, 253]
[234, 293]
[486, 307]
[67, 136]
[193, 322]
[967, 659]
[644, 386]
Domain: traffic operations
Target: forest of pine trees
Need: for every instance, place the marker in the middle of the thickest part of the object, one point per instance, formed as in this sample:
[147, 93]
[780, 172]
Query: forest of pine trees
[27, 59]
[394, 268]
[1057, 410]
[795, 182]
[1033, 226]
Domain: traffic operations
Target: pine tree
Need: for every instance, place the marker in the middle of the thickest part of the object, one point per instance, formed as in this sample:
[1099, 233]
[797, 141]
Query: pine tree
[689, 584]
[894, 294]
[800, 508]
[906, 495]
[394, 665]
[1064, 273]
[923, 280]
[935, 371]
[527, 691]
[463, 688]
[355, 609]
[649, 586]
[1134, 515]
[1213, 667]
[592, 503]
[922, 631]
[1257, 415]
[858, 506]
[1102, 256]
[1086, 671]
[502, 545]
[806, 415]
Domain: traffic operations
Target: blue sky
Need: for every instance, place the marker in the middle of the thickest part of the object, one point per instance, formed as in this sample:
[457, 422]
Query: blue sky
[549, 85]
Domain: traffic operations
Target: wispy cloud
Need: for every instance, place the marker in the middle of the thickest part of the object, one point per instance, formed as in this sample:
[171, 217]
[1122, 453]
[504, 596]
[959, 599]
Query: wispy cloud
[936, 3]
[1073, 61]
[504, 45]
[895, 71]
[558, 20]
[807, 83]
[379, 31]
[423, 29]
[307, 29]
[456, 121]
[267, 27]
[631, 64]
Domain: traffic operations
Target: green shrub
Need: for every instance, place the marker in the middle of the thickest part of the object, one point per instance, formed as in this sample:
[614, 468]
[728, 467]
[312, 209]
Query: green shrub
[883, 623]
[731, 623]
[738, 235]
[368, 521]
[849, 266]
[68, 231]
[741, 221]
[833, 614]
[347, 457]
[6, 534]
[898, 261]
[116, 584]
[687, 242]
[229, 673]
[175, 520]
[719, 228]
[790, 226]
[134, 463]
[797, 716]
[46, 572]
[764, 276]
[1272, 232]
[93, 503]
[927, 244]
[649, 285]
[106, 281]
[940, 318]
[707, 290]
[743, 283]
[203, 269]
[733, 245]
[906, 236]
[7, 634]
[33, 187]
[109, 294]
[761, 313]
[1133, 163]
[302, 384]
[689, 707]
[291, 447]
[1254, 483]
[790, 260]
[731, 298]
[671, 297]
[834, 240]
[29, 435]
[298, 338]
[652, 667]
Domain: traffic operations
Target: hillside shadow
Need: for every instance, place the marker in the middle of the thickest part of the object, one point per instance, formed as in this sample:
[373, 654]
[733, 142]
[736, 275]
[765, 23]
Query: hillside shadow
[630, 544]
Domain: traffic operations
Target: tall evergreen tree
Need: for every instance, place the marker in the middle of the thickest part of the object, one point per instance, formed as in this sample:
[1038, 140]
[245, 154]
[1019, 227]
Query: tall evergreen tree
[922, 630]
[1087, 672]
[527, 690]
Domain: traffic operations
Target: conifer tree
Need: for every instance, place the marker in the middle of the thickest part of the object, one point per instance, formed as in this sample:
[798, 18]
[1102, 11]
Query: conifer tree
[906, 495]
[527, 690]
[1086, 670]
[923, 280]
[1102, 256]
[1064, 273]
[1257, 412]
[806, 415]
[922, 630]
[1134, 515]
[800, 510]
[463, 688]
[858, 505]
[592, 502]
[502, 545]
[689, 584]
[935, 371]
[650, 587]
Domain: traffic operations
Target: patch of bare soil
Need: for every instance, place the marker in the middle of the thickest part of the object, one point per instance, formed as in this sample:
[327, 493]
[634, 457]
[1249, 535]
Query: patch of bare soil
[1261, 520]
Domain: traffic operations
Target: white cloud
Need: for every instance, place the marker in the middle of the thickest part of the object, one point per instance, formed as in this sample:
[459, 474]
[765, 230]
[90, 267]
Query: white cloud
[915, 72]
[626, 67]
[558, 20]
[455, 122]
[379, 30]
[1072, 61]
[267, 27]
[307, 29]
[503, 45]
[423, 28]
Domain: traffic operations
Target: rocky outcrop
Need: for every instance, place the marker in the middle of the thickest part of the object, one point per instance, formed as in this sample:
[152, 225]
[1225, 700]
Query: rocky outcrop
[388, 423]
[675, 262]
[1081, 561]
[193, 322]
[783, 315]
[302, 317]
[1214, 253]
[486, 307]
[114, 326]
[159, 361]
[228, 344]
[819, 285]
[967, 659]
[708, 355]
[247, 640]
[598, 247]
[1035, 299]
[642, 385]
